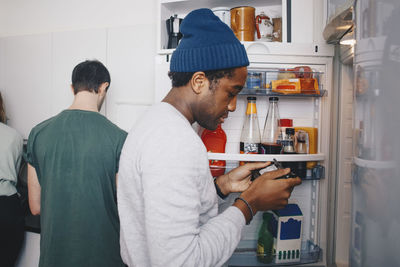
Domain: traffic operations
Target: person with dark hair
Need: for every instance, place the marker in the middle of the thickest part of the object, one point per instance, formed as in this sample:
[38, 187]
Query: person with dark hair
[11, 213]
[167, 198]
[72, 174]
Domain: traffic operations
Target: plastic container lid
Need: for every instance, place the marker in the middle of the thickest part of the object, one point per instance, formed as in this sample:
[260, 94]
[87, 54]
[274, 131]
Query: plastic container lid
[286, 122]
[273, 98]
[290, 131]
[251, 98]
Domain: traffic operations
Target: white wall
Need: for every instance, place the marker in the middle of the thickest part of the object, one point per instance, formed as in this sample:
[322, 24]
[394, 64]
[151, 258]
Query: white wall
[40, 43]
[19, 17]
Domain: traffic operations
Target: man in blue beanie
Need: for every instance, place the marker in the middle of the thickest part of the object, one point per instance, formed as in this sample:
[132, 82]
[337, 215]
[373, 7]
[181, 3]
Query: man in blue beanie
[167, 198]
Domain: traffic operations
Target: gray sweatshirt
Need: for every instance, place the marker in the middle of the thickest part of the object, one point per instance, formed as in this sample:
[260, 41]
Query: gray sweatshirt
[167, 202]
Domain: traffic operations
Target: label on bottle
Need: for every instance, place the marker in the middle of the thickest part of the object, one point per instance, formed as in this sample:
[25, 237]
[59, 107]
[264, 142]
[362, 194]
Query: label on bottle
[249, 148]
[251, 108]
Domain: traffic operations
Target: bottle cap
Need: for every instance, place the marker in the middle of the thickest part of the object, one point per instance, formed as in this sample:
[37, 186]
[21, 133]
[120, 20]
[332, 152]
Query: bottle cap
[290, 131]
[273, 98]
[251, 98]
[286, 122]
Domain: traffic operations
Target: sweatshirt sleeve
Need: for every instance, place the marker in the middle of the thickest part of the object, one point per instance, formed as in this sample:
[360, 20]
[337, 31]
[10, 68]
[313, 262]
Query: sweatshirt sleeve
[180, 209]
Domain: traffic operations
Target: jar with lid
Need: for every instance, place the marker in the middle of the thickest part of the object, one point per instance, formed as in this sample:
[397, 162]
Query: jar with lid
[254, 80]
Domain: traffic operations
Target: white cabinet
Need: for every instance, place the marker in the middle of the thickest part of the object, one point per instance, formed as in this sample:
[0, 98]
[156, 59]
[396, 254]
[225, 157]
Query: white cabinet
[302, 20]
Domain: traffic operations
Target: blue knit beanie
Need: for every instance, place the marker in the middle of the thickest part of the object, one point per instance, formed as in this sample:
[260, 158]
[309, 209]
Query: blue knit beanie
[207, 44]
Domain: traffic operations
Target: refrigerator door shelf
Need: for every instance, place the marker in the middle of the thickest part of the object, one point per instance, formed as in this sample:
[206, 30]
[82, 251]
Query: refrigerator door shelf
[316, 173]
[372, 164]
[267, 92]
[266, 157]
[246, 255]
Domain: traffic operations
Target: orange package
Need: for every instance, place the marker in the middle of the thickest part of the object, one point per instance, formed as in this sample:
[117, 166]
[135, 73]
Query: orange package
[286, 86]
[309, 86]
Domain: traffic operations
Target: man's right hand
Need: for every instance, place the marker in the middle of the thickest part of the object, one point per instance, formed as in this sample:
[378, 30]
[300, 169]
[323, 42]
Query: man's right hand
[269, 193]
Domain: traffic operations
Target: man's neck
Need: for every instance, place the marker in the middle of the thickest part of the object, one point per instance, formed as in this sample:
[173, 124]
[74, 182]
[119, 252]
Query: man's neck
[175, 98]
[85, 101]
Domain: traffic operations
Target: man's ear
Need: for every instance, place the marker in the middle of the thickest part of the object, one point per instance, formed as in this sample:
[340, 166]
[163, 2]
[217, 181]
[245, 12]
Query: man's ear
[198, 82]
[72, 90]
[103, 88]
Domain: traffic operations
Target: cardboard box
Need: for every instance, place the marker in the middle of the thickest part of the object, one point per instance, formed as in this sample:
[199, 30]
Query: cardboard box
[287, 229]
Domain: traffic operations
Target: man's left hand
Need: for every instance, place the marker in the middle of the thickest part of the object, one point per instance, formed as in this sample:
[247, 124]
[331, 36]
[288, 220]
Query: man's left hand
[238, 179]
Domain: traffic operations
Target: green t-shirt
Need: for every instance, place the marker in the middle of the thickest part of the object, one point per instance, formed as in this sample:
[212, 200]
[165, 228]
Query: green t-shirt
[76, 155]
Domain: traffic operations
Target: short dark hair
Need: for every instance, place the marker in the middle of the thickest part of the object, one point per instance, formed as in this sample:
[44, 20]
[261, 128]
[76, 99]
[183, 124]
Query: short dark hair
[182, 78]
[89, 75]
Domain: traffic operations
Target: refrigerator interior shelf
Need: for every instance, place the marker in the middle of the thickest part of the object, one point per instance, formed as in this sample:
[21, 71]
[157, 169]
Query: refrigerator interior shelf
[247, 255]
[372, 164]
[266, 157]
[268, 92]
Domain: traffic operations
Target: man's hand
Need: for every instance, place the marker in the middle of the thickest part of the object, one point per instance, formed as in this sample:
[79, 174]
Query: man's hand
[238, 179]
[267, 193]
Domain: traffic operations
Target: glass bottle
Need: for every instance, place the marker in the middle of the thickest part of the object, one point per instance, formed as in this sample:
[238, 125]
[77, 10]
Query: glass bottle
[269, 140]
[250, 136]
[283, 124]
[215, 142]
[301, 148]
[265, 240]
[301, 145]
[288, 144]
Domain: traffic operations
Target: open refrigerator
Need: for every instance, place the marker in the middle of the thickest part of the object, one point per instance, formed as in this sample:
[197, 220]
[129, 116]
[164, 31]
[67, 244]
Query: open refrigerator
[306, 110]
[314, 195]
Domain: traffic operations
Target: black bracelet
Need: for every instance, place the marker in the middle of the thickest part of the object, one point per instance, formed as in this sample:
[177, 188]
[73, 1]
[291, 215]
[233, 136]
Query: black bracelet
[248, 206]
[219, 192]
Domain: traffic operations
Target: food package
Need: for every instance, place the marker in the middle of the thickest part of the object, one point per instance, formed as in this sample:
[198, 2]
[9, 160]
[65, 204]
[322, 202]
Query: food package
[286, 86]
[312, 142]
[287, 228]
[286, 74]
[309, 86]
[303, 72]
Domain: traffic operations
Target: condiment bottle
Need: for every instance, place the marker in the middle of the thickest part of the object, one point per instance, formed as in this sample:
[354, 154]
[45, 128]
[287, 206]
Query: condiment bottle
[250, 136]
[288, 145]
[301, 148]
[283, 124]
[301, 145]
[269, 140]
[215, 141]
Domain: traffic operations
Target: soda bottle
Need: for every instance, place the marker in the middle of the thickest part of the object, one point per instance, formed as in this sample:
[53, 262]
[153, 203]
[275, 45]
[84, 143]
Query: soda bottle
[269, 140]
[215, 141]
[250, 137]
[265, 240]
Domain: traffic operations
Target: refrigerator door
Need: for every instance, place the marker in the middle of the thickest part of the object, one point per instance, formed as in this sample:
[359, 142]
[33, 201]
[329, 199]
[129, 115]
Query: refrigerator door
[376, 170]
